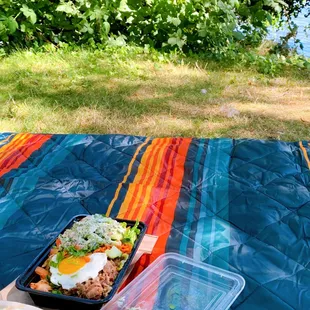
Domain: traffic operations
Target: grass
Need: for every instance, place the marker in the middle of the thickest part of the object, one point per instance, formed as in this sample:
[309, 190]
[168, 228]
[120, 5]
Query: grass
[143, 94]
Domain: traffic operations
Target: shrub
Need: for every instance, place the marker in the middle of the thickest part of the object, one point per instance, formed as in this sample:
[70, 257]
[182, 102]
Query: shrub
[189, 25]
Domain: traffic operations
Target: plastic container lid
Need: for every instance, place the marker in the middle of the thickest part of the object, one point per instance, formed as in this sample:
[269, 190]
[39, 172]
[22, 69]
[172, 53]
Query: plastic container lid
[176, 282]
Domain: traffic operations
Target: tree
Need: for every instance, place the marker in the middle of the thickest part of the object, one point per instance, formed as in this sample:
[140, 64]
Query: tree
[294, 7]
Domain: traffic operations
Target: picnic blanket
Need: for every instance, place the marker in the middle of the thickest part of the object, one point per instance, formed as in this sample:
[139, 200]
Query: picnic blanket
[241, 205]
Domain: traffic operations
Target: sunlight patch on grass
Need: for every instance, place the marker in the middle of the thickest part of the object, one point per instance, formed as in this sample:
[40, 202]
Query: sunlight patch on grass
[290, 95]
[278, 111]
[160, 125]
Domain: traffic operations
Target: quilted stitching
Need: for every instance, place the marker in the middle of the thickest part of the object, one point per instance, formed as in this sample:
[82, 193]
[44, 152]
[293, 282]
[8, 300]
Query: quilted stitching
[259, 226]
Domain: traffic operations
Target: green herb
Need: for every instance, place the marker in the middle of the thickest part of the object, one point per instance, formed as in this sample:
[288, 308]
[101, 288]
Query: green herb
[59, 257]
[76, 253]
[124, 224]
[58, 292]
[54, 286]
[131, 234]
[53, 264]
[123, 261]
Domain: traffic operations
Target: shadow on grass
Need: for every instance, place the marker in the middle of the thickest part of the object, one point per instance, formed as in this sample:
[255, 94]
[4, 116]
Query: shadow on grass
[135, 98]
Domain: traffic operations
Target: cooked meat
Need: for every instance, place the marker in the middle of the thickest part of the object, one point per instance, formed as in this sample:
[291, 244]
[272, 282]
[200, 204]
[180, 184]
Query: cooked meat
[42, 285]
[94, 290]
[106, 289]
[100, 286]
[90, 289]
[43, 273]
[71, 292]
[108, 274]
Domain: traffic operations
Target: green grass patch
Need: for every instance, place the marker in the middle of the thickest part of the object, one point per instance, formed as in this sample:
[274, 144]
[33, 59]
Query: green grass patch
[129, 91]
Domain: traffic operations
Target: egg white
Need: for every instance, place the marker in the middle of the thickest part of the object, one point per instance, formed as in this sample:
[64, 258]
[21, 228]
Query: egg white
[89, 270]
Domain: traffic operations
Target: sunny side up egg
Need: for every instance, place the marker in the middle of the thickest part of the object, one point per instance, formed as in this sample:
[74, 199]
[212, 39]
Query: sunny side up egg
[73, 270]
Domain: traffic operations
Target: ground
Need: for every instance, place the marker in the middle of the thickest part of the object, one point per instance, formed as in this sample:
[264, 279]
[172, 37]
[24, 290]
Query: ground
[144, 94]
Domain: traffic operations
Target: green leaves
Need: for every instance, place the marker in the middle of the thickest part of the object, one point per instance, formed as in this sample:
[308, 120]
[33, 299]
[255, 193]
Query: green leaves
[68, 8]
[176, 41]
[174, 20]
[29, 13]
[8, 24]
[87, 28]
[106, 26]
[283, 3]
[238, 35]
[8, 27]
[123, 7]
[12, 24]
[96, 14]
[269, 18]
[22, 28]
[215, 26]
[2, 28]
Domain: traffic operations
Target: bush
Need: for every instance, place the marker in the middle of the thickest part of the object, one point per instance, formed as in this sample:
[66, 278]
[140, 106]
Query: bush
[189, 25]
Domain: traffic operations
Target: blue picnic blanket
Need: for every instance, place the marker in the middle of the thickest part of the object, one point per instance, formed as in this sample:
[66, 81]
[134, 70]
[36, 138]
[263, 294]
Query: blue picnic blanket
[241, 205]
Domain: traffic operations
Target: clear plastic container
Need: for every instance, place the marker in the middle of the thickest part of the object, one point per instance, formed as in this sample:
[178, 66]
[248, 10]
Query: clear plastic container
[176, 282]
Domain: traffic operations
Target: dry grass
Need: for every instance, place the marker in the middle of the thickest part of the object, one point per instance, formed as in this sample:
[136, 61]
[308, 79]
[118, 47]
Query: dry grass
[84, 92]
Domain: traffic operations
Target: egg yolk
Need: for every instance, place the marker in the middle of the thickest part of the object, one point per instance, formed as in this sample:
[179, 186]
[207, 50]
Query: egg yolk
[72, 264]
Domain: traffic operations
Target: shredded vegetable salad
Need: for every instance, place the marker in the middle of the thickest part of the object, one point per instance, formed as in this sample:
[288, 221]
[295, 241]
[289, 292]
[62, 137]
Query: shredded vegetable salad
[93, 231]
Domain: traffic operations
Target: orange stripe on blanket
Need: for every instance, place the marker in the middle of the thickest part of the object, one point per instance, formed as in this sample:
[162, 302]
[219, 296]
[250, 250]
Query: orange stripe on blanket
[19, 150]
[12, 149]
[126, 176]
[146, 178]
[136, 190]
[164, 220]
[13, 144]
[165, 195]
[305, 153]
[162, 192]
[150, 190]
[164, 188]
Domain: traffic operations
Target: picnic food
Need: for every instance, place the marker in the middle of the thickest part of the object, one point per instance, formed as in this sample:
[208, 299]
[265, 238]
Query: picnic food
[87, 258]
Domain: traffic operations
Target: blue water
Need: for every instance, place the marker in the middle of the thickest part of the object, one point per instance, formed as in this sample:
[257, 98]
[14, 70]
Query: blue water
[301, 21]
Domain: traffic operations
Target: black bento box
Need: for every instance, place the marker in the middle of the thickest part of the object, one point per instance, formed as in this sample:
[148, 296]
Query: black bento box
[56, 301]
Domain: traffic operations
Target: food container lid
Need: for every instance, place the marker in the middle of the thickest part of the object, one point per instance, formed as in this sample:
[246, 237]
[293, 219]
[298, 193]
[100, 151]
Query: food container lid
[176, 282]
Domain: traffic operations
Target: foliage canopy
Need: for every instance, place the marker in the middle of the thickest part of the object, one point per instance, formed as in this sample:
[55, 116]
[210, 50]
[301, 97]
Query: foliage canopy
[190, 25]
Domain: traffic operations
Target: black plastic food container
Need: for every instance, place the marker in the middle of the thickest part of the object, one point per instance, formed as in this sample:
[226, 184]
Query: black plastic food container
[56, 301]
